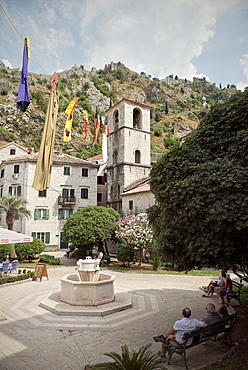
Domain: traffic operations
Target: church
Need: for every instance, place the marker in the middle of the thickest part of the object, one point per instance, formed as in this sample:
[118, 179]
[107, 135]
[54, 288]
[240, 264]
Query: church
[129, 158]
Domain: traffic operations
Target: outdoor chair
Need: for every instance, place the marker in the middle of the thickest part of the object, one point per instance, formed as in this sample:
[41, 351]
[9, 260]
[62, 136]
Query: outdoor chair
[5, 267]
[13, 266]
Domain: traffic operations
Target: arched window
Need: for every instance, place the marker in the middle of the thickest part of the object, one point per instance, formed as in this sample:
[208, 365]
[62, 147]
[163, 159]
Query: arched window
[116, 119]
[136, 118]
[137, 156]
[115, 157]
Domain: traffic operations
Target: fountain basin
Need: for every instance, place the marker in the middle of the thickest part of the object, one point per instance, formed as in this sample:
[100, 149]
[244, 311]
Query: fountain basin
[87, 293]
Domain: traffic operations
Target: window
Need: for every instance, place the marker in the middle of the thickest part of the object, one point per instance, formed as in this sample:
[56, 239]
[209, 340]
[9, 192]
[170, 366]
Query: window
[41, 214]
[2, 173]
[44, 236]
[99, 197]
[130, 205]
[12, 152]
[16, 168]
[64, 214]
[68, 195]
[100, 180]
[136, 118]
[137, 156]
[15, 191]
[116, 119]
[43, 193]
[67, 171]
[84, 193]
[85, 172]
[115, 157]
[1, 191]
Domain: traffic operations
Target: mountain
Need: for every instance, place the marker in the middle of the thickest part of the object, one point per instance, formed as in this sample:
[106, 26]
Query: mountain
[177, 104]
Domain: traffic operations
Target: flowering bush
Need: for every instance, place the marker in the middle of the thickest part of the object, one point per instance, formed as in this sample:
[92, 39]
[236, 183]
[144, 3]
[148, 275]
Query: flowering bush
[135, 231]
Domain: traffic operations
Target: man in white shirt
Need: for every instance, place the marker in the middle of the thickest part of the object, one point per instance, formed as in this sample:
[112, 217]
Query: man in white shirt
[179, 328]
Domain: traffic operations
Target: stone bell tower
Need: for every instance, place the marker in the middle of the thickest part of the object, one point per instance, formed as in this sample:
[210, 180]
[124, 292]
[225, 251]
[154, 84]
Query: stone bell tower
[128, 148]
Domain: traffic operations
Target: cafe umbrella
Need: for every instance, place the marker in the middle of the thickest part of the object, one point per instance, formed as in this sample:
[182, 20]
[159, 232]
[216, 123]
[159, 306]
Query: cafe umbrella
[12, 237]
[43, 168]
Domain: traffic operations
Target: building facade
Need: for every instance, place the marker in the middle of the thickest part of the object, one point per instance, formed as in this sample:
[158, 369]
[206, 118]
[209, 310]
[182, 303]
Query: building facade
[73, 186]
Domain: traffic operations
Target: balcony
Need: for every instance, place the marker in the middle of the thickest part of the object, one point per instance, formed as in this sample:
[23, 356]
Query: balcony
[66, 200]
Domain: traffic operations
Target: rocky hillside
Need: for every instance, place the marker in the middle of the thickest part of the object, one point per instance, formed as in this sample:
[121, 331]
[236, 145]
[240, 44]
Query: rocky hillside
[177, 104]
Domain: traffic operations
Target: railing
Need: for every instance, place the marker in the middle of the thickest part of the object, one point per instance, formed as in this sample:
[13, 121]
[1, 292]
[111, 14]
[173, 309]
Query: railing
[67, 200]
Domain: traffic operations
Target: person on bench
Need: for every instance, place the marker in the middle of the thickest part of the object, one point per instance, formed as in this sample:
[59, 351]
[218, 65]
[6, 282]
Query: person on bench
[179, 328]
[212, 316]
[226, 284]
[214, 284]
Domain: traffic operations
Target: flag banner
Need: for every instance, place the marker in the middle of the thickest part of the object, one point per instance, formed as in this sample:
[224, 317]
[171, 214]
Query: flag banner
[43, 168]
[68, 124]
[23, 100]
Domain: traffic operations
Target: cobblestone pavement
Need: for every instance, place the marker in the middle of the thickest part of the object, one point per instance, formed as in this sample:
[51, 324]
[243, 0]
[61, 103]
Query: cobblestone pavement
[33, 338]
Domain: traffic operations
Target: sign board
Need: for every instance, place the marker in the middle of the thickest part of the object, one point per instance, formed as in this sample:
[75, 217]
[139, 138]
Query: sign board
[40, 271]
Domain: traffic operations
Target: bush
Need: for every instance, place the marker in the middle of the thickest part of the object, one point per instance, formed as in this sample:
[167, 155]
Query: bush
[155, 261]
[4, 250]
[11, 279]
[29, 250]
[4, 92]
[125, 253]
[50, 260]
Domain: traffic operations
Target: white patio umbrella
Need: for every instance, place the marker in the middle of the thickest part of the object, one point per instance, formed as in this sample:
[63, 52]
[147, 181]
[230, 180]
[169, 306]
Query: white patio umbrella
[10, 236]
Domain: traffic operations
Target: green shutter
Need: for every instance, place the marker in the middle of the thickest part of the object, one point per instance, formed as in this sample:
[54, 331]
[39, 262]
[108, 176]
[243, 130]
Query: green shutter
[47, 240]
[60, 214]
[17, 217]
[36, 214]
[70, 212]
[33, 234]
[47, 214]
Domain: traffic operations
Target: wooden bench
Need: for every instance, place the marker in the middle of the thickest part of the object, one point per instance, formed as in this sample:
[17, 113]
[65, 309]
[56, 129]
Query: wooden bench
[223, 325]
[234, 293]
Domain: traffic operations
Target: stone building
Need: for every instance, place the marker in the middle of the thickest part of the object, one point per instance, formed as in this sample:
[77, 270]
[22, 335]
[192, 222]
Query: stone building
[73, 186]
[129, 159]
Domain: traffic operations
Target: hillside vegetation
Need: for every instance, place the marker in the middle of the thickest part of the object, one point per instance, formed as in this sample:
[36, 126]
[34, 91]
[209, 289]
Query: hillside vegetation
[176, 105]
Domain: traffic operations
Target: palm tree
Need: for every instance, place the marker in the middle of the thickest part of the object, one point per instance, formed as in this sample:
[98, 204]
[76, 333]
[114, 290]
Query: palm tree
[132, 360]
[12, 206]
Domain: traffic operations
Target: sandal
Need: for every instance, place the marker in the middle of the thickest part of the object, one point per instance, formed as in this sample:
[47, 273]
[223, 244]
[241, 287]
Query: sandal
[205, 296]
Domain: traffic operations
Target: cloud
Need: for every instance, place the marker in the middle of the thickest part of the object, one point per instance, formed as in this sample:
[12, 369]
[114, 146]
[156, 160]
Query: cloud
[243, 62]
[158, 37]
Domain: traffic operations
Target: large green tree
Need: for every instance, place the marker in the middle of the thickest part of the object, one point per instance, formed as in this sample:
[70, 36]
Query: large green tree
[12, 206]
[91, 226]
[201, 189]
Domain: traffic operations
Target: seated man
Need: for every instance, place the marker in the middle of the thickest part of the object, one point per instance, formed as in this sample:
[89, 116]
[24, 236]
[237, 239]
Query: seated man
[179, 328]
[211, 317]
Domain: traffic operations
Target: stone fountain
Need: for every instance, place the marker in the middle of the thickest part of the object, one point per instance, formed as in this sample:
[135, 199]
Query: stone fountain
[87, 292]
[89, 286]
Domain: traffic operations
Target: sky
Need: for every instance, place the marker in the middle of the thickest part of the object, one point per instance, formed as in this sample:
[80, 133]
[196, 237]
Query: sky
[187, 38]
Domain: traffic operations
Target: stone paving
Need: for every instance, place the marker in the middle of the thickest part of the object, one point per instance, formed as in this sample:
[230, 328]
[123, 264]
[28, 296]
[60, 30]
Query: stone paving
[34, 338]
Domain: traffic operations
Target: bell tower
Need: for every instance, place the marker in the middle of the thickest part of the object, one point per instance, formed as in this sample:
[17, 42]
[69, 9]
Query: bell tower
[128, 148]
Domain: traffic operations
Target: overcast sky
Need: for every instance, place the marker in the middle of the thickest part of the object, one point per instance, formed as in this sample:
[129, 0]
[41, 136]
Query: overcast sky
[159, 37]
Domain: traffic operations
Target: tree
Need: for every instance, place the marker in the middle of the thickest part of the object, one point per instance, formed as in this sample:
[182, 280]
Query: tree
[30, 249]
[91, 226]
[135, 231]
[12, 206]
[201, 189]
